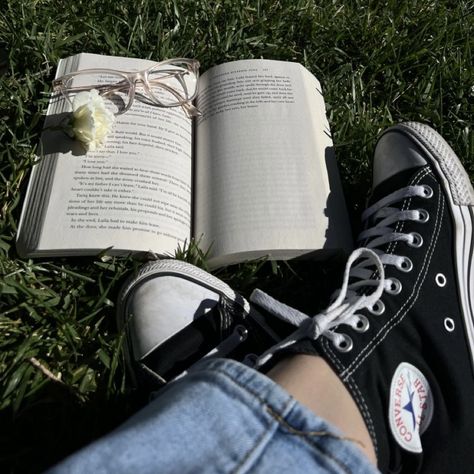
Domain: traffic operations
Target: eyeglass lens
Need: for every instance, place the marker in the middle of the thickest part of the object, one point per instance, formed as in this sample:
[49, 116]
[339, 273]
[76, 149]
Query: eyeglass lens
[113, 87]
[172, 84]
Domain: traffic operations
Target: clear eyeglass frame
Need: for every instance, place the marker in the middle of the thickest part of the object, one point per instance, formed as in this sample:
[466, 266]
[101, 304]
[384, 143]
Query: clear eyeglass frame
[169, 83]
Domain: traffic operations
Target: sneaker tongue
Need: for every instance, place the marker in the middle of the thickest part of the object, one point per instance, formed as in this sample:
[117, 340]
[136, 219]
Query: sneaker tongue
[395, 153]
[393, 183]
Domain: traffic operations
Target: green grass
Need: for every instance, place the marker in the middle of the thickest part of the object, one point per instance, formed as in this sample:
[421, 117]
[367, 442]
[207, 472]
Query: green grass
[62, 379]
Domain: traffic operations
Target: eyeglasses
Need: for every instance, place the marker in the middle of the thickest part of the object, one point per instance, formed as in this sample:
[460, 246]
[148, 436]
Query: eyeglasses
[171, 83]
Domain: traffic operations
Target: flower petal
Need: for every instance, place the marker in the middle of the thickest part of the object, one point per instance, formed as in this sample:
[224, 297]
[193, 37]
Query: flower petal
[91, 120]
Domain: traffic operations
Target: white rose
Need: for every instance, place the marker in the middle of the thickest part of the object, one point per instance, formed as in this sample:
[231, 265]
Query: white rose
[91, 121]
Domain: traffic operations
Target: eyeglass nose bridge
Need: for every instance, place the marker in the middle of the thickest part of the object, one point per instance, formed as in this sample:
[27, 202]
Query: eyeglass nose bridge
[141, 77]
[134, 78]
[138, 78]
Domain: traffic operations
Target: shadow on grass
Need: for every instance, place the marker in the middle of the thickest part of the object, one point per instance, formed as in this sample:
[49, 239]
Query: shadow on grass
[56, 425]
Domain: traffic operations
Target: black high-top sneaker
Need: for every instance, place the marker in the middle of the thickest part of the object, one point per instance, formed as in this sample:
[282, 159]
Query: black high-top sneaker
[400, 334]
[173, 314]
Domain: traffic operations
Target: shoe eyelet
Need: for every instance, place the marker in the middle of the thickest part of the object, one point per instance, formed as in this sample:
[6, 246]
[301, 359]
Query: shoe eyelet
[250, 360]
[424, 216]
[440, 280]
[345, 345]
[405, 265]
[449, 324]
[362, 325]
[427, 191]
[241, 331]
[417, 240]
[395, 286]
[378, 308]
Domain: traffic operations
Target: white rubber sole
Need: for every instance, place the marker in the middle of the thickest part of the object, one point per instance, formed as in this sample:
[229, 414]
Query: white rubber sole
[178, 269]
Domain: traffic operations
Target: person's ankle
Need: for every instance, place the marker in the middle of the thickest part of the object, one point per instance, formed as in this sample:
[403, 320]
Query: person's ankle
[311, 381]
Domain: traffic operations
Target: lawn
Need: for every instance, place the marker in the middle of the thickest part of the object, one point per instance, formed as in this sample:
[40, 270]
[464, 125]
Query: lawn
[62, 378]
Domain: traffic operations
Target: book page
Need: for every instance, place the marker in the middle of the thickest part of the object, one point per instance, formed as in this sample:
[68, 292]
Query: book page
[132, 194]
[263, 162]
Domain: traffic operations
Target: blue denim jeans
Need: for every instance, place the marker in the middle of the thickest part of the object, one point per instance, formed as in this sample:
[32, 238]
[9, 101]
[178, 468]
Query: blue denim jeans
[221, 417]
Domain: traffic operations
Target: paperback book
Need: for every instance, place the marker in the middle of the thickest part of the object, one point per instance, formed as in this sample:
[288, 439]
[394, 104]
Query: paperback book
[254, 175]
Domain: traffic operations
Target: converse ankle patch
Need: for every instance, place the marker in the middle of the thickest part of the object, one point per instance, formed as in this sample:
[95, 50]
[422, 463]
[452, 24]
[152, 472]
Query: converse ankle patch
[411, 406]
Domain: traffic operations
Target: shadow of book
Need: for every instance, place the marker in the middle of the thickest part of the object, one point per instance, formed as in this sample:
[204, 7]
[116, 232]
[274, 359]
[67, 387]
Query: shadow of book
[338, 232]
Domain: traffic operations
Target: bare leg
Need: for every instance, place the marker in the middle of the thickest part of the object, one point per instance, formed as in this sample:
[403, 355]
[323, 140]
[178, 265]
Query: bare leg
[312, 382]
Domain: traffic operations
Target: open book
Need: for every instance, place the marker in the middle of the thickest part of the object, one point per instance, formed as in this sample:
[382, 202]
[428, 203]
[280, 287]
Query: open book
[255, 175]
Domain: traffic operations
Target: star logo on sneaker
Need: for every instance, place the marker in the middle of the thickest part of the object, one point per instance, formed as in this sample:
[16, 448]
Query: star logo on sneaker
[411, 406]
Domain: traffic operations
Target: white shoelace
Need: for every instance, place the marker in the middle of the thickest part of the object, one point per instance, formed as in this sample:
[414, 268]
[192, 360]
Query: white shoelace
[366, 266]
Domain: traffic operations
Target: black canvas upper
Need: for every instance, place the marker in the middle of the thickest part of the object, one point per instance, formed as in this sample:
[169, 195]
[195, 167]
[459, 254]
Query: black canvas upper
[412, 370]
[412, 330]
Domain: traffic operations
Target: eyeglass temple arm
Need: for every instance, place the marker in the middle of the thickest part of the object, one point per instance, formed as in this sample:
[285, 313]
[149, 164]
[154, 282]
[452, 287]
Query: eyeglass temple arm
[59, 85]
